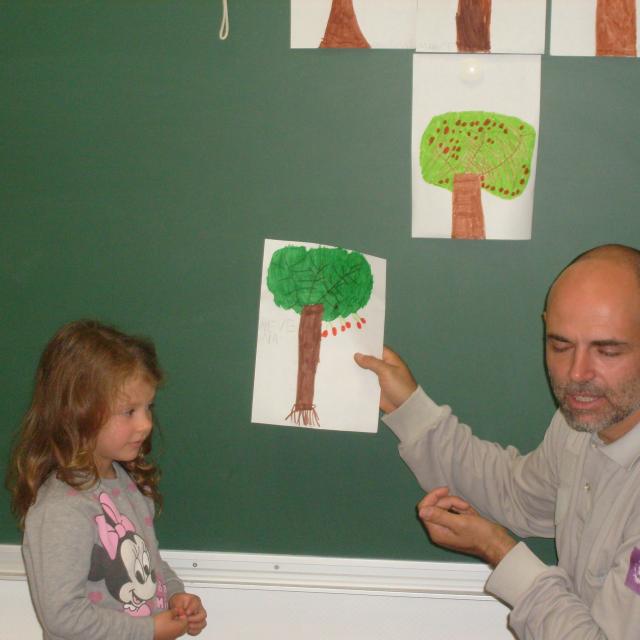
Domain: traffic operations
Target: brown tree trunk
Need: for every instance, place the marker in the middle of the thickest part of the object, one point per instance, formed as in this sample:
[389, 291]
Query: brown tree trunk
[342, 29]
[616, 28]
[473, 22]
[468, 218]
[303, 410]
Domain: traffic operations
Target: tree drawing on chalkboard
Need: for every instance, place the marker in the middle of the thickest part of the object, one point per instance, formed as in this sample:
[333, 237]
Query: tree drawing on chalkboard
[343, 30]
[321, 284]
[616, 28]
[467, 151]
[473, 25]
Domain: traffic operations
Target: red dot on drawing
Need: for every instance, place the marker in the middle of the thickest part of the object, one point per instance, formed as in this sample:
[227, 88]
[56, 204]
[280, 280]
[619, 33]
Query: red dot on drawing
[334, 331]
[348, 325]
[343, 328]
[358, 325]
[325, 333]
[363, 320]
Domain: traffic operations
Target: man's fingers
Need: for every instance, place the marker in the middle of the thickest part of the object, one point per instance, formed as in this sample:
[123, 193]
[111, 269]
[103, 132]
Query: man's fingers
[370, 362]
[378, 365]
[440, 517]
[433, 497]
[391, 357]
[455, 503]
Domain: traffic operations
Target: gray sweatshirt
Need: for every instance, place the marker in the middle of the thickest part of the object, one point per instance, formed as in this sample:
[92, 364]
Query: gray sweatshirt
[92, 561]
[574, 487]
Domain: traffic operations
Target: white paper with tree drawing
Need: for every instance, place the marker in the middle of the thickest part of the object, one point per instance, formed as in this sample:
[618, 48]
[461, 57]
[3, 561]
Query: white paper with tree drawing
[348, 24]
[595, 28]
[474, 142]
[318, 306]
[481, 26]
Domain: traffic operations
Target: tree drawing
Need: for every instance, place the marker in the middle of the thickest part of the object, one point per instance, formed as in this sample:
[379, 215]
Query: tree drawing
[343, 30]
[466, 151]
[616, 28]
[473, 24]
[321, 284]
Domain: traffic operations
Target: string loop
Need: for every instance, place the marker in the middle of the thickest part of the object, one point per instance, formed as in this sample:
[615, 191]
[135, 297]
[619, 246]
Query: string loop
[224, 25]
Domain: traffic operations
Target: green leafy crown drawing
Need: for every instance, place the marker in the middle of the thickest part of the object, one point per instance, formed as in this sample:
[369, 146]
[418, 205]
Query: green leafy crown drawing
[319, 284]
[466, 151]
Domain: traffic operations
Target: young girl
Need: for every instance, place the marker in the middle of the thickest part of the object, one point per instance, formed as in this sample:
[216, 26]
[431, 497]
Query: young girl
[86, 494]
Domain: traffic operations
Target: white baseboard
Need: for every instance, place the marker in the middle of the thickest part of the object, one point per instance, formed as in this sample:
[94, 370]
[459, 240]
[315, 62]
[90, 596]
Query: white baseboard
[281, 596]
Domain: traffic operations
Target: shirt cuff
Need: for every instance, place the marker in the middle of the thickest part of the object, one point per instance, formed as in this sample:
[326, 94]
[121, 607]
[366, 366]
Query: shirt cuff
[418, 411]
[514, 574]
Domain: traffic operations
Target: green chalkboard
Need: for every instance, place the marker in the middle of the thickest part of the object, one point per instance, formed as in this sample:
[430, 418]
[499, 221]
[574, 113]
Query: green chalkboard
[144, 162]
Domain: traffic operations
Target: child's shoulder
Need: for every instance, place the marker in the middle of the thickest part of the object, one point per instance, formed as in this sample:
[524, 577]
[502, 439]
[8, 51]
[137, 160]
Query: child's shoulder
[57, 497]
[58, 501]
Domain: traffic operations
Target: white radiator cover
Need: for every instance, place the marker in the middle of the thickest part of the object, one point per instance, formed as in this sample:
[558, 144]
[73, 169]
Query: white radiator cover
[277, 597]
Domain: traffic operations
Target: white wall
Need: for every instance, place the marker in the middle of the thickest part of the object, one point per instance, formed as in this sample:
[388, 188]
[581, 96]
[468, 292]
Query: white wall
[307, 598]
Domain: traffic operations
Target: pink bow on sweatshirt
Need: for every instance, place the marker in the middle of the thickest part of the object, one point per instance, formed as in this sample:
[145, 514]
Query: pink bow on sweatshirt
[110, 535]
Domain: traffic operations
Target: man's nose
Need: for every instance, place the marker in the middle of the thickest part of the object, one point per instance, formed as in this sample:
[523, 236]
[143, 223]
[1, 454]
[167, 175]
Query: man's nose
[581, 366]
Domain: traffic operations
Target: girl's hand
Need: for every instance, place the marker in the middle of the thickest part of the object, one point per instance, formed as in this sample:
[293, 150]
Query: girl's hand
[169, 625]
[192, 607]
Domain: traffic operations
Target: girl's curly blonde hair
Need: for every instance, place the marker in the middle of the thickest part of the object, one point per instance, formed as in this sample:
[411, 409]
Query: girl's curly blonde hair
[80, 376]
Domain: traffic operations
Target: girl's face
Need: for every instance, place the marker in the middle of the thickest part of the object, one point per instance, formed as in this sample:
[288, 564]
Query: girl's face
[129, 425]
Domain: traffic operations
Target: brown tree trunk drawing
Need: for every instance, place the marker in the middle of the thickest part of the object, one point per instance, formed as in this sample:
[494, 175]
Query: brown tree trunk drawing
[468, 217]
[308, 357]
[342, 29]
[473, 22]
[616, 28]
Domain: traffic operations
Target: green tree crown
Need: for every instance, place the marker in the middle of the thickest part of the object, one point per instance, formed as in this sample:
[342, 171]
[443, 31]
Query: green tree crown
[497, 147]
[338, 279]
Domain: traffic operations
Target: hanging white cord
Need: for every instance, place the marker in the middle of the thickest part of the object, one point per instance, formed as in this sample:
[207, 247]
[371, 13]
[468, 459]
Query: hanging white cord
[224, 26]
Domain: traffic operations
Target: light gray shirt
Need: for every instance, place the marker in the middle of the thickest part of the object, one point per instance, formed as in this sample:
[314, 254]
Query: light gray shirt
[573, 487]
[92, 561]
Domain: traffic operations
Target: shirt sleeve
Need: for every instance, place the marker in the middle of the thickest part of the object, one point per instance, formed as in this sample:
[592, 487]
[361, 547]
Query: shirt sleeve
[57, 550]
[172, 582]
[517, 491]
[545, 605]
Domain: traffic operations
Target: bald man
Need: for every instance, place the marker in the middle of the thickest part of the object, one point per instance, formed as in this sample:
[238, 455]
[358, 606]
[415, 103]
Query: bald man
[581, 485]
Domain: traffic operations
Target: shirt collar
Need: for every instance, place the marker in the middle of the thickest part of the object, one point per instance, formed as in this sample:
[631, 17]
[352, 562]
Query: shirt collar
[623, 451]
